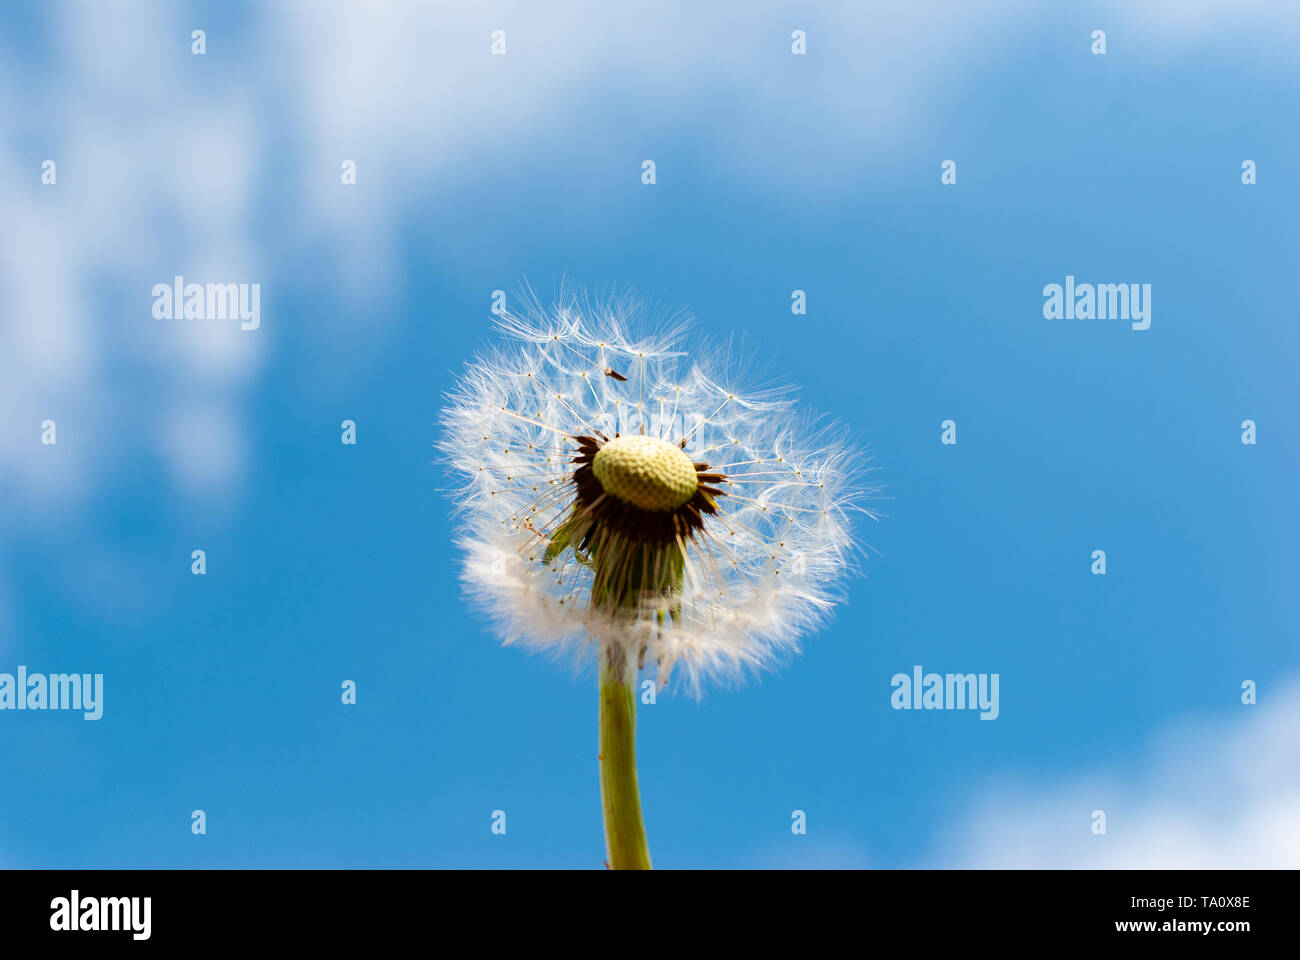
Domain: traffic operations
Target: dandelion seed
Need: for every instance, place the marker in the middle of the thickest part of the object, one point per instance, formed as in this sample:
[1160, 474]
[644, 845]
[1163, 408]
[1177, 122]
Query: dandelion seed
[591, 519]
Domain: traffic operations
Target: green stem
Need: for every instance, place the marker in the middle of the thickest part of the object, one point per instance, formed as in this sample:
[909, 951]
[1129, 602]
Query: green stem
[619, 795]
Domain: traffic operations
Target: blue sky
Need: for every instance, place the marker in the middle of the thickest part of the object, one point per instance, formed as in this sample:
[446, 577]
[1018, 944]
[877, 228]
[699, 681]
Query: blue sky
[774, 172]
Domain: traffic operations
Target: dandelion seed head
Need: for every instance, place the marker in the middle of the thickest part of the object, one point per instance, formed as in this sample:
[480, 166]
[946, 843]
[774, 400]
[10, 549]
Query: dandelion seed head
[624, 488]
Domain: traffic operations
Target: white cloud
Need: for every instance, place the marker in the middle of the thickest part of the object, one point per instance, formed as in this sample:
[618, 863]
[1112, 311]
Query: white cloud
[1205, 795]
[204, 448]
[153, 175]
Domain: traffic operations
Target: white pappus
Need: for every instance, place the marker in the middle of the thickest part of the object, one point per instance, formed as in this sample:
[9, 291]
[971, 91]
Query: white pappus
[621, 487]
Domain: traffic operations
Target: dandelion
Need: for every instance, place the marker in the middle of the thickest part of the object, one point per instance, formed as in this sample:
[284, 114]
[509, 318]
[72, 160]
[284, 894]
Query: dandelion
[622, 496]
